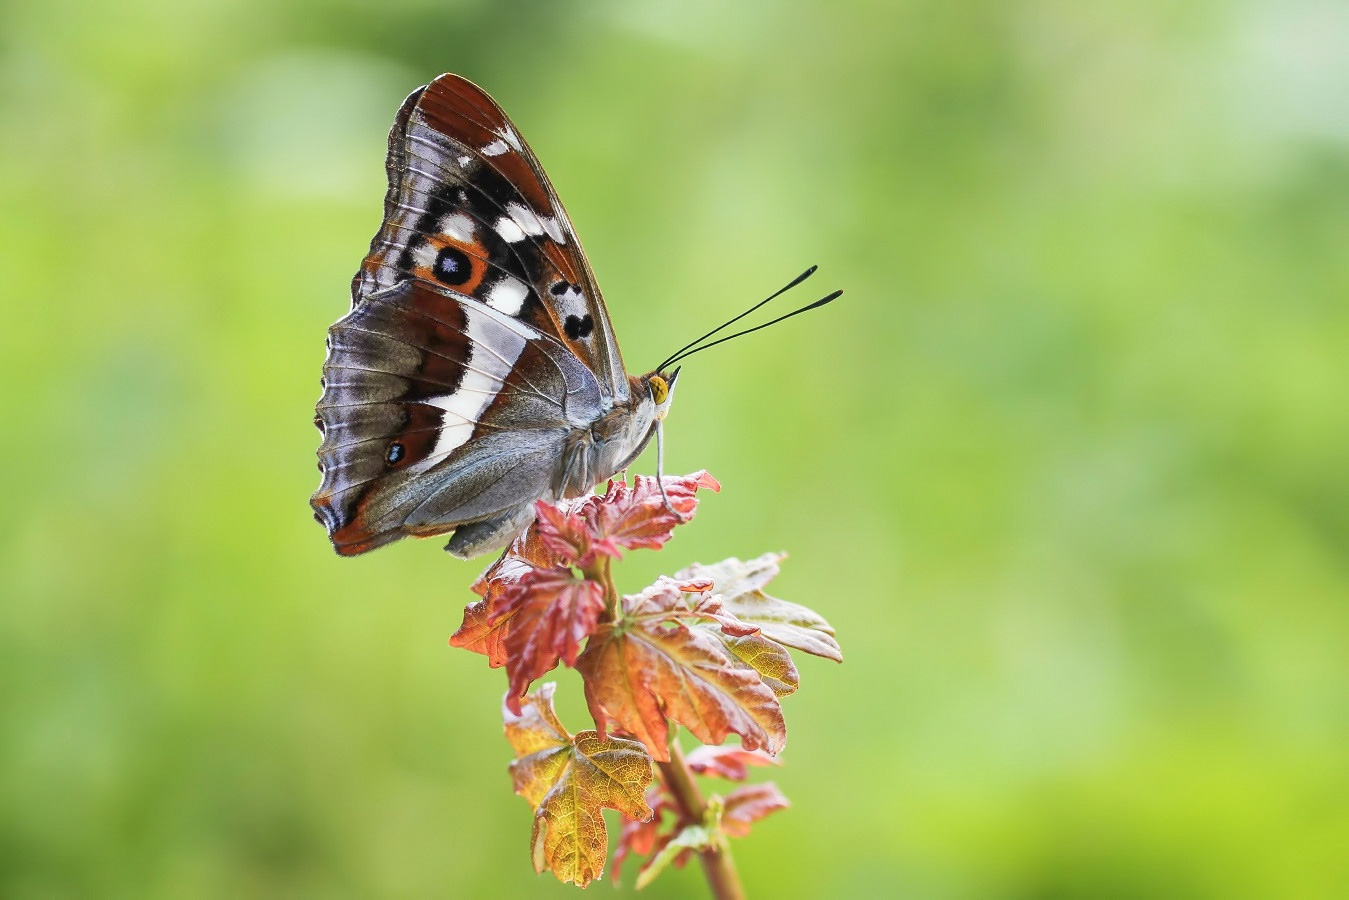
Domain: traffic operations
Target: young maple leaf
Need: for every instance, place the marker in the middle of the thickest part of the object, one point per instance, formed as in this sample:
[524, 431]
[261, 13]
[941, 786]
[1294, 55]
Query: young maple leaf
[487, 622]
[567, 780]
[729, 762]
[637, 516]
[568, 533]
[655, 664]
[739, 587]
[553, 612]
[746, 805]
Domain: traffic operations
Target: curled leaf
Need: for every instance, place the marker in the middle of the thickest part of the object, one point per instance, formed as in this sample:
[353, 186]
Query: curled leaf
[636, 516]
[568, 780]
[569, 534]
[487, 621]
[485, 628]
[739, 587]
[748, 804]
[772, 662]
[729, 762]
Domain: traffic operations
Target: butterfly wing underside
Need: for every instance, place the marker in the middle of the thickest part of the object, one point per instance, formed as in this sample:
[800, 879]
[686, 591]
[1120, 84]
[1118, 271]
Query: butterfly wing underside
[470, 208]
[477, 339]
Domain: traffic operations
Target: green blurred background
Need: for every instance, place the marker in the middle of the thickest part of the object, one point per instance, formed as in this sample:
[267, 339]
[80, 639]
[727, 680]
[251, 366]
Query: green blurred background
[1066, 467]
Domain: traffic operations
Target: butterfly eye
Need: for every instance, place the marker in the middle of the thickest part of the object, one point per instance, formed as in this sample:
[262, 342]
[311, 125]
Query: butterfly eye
[659, 389]
[394, 454]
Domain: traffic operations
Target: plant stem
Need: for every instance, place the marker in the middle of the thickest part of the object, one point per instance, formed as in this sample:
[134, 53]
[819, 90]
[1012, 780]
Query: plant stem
[600, 572]
[718, 867]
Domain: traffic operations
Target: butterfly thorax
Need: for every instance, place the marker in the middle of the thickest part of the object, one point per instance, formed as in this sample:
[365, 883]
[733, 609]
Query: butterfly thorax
[612, 442]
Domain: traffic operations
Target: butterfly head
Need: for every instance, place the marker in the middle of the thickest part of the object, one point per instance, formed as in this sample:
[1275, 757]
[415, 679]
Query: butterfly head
[661, 388]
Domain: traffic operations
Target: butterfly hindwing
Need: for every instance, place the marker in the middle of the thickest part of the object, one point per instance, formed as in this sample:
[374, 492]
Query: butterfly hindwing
[470, 208]
[438, 410]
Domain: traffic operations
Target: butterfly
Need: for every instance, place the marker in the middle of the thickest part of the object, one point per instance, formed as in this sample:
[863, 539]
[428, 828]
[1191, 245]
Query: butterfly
[477, 371]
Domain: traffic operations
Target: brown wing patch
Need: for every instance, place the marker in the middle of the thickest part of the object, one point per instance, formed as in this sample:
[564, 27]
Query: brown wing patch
[457, 107]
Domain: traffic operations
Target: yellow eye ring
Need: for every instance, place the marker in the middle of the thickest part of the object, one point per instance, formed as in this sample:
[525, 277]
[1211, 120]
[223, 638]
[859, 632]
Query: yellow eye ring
[659, 389]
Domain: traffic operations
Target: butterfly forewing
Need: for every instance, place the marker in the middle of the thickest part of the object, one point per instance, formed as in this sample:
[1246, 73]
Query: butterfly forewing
[477, 371]
[470, 208]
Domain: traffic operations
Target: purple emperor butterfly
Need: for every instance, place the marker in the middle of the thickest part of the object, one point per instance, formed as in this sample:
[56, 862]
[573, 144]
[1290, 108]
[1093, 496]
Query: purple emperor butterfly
[477, 371]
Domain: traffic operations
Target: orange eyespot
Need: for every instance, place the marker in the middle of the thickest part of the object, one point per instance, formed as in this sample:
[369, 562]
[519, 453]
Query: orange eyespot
[659, 389]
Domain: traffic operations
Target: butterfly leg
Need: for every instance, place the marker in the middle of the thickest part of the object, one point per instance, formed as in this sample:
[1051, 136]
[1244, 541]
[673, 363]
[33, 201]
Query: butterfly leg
[492, 534]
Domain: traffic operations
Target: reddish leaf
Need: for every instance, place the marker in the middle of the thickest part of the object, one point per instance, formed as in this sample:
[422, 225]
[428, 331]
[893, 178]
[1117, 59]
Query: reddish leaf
[728, 762]
[568, 780]
[487, 622]
[654, 665]
[525, 552]
[739, 588]
[637, 516]
[748, 804]
[567, 533]
[554, 611]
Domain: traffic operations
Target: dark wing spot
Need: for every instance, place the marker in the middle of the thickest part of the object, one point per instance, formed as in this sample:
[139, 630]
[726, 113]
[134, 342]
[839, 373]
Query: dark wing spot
[452, 266]
[318, 423]
[559, 288]
[578, 327]
[394, 454]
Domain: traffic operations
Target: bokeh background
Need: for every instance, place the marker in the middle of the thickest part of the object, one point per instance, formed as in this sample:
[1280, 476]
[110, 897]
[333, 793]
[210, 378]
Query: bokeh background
[1066, 467]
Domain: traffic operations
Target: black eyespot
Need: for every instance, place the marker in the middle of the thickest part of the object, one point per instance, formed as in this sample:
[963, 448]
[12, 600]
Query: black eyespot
[578, 327]
[452, 266]
[394, 454]
[318, 423]
[559, 288]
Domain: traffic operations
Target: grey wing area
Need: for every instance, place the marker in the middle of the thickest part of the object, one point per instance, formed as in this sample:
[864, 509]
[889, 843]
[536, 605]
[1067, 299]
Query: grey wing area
[441, 413]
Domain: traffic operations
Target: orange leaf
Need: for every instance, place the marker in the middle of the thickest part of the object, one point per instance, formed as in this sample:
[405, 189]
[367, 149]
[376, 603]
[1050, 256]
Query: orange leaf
[653, 665]
[486, 625]
[568, 780]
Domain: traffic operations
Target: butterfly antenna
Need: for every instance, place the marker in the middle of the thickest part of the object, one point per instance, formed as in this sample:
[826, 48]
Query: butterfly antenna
[660, 472]
[793, 283]
[796, 312]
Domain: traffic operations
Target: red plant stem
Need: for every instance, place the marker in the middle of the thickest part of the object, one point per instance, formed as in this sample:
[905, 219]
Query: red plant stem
[718, 867]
